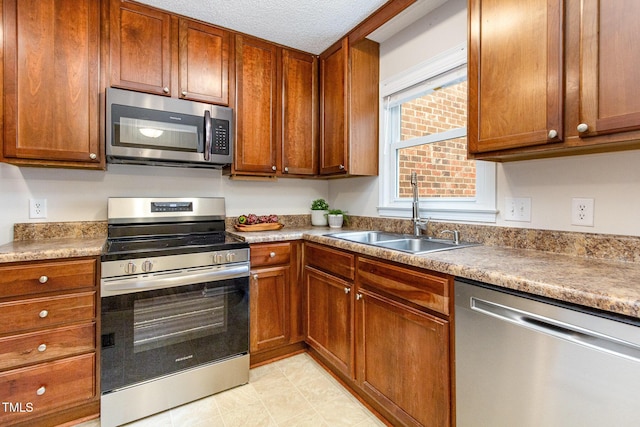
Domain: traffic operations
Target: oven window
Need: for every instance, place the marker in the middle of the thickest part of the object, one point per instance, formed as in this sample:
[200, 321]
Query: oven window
[155, 333]
[169, 319]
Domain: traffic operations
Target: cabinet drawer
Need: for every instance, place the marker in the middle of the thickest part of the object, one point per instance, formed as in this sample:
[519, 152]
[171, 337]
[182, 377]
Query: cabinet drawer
[42, 388]
[270, 254]
[330, 260]
[61, 275]
[45, 312]
[429, 290]
[39, 347]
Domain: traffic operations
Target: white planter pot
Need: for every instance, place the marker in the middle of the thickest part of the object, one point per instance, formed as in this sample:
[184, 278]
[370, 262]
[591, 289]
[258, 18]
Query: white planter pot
[319, 217]
[335, 221]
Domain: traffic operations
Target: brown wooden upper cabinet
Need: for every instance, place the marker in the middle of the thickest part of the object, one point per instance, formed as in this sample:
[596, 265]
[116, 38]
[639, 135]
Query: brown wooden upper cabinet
[276, 110]
[51, 83]
[157, 52]
[549, 78]
[349, 108]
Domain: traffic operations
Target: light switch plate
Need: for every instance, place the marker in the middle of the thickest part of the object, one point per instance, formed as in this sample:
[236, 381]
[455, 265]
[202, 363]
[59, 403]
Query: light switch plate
[517, 209]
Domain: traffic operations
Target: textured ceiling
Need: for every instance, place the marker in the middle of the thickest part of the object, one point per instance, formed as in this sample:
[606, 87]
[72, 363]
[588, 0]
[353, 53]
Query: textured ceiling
[308, 25]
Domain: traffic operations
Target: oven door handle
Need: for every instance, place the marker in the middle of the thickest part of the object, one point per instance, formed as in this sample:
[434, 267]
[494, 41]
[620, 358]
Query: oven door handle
[148, 282]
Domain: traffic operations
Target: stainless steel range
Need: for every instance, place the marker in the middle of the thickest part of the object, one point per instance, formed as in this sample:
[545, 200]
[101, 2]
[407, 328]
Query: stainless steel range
[175, 306]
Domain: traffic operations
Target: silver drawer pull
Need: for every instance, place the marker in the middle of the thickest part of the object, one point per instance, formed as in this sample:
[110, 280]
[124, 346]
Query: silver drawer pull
[43, 279]
[41, 391]
[272, 255]
[42, 348]
[43, 314]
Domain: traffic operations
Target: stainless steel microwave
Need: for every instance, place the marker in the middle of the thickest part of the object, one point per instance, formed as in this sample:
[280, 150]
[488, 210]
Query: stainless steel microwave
[156, 130]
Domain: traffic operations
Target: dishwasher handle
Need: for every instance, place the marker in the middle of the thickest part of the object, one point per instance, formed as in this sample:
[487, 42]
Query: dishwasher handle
[557, 328]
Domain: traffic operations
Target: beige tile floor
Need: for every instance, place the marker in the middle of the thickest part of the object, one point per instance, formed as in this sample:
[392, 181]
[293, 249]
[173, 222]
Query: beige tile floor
[293, 392]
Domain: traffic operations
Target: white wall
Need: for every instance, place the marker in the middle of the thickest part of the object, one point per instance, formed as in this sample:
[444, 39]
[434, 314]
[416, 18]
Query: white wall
[612, 179]
[79, 195]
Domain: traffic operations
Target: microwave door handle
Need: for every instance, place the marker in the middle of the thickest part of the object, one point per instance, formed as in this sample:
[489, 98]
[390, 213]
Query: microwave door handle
[207, 135]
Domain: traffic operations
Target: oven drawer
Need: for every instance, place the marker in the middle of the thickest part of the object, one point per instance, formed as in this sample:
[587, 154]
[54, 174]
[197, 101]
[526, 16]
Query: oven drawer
[39, 347]
[270, 254]
[36, 277]
[42, 388]
[45, 312]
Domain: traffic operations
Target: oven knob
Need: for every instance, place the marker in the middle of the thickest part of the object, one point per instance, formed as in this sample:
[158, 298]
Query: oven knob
[147, 266]
[231, 257]
[130, 268]
[217, 258]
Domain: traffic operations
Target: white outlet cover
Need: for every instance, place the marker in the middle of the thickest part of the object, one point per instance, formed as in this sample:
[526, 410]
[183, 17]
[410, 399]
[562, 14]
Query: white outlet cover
[37, 208]
[582, 211]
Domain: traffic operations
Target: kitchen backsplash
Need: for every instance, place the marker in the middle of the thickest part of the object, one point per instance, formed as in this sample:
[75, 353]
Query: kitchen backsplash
[590, 245]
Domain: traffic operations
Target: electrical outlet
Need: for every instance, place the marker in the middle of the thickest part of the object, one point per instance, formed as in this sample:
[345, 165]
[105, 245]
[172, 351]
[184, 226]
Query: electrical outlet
[37, 208]
[582, 211]
[517, 209]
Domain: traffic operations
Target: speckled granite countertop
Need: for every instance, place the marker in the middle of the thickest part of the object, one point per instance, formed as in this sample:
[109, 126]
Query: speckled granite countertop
[612, 286]
[33, 250]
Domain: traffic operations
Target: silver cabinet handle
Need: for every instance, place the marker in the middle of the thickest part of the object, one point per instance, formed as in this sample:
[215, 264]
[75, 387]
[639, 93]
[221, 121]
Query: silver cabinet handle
[347, 290]
[553, 134]
[184, 93]
[42, 347]
[43, 314]
[43, 279]
[583, 127]
[286, 170]
[272, 255]
[165, 89]
[93, 156]
[341, 167]
[273, 168]
[358, 296]
[41, 391]
[255, 277]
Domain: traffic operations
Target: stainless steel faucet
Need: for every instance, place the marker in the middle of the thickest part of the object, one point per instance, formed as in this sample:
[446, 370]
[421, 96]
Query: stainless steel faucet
[418, 224]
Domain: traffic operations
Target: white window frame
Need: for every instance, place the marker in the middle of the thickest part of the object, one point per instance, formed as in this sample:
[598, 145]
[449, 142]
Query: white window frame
[482, 208]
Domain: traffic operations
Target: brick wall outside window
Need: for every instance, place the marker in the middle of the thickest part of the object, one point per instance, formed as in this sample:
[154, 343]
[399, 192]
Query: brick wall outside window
[442, 167]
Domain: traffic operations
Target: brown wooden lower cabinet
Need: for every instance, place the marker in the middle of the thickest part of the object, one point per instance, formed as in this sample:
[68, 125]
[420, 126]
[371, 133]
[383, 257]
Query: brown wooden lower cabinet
[48, 354]
[386, 334]
[329, 314]
[275, 301]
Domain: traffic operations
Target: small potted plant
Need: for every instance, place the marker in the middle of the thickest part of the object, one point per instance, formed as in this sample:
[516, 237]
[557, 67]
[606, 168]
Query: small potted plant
[337, 217]
[319, 210]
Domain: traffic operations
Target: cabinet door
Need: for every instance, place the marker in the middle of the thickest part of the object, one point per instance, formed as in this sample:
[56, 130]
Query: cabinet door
[140, 48]
[515, 74]
[398, 346]
[269, 308]
[256, 64]
[609, 91]
[333, 109]
[329, 318]
[204, 63]
[51, 82]
[299, 122]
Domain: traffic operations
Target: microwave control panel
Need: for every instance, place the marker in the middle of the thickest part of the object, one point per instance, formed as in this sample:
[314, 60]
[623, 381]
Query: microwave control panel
[220, 138]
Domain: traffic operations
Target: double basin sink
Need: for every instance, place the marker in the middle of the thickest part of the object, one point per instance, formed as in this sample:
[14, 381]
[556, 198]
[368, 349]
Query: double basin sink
[400, 242]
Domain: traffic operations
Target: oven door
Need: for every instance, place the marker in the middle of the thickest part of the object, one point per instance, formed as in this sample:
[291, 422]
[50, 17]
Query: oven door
[154, 333]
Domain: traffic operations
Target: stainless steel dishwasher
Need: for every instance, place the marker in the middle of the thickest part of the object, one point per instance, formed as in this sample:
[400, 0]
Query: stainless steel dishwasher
[525, 361]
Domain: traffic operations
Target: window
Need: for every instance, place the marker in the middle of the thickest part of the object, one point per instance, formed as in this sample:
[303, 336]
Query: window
[424, 119]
